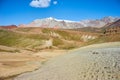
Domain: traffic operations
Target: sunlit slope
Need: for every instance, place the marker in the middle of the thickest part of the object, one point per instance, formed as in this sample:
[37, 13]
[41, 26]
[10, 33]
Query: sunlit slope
[42, 38]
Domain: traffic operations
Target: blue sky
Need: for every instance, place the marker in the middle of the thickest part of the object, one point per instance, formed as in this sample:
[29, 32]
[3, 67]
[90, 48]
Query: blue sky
[25, 11]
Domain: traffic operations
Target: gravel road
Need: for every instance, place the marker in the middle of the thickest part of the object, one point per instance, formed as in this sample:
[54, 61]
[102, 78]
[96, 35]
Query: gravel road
[95, 62]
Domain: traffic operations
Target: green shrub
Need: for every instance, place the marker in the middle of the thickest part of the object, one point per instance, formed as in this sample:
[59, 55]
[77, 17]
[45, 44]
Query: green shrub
[46, 30]
[9, 38]
[57, 42]
[37, 36]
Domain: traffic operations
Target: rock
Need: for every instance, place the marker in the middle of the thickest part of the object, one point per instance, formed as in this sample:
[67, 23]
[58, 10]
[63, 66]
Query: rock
[88, 37]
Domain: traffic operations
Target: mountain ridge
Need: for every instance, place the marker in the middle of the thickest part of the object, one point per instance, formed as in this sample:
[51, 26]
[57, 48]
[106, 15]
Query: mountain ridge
[67, 24]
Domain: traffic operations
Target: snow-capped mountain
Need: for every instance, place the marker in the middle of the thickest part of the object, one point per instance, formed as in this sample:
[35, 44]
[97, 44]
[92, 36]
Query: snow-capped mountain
[66, 24]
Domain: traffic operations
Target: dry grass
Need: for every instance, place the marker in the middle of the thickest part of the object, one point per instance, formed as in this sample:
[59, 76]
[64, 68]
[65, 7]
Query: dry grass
[12, 63]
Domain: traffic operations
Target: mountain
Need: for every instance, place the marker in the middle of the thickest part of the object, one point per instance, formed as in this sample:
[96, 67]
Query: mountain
[114, 24]
[66, 24]
[53, 23]
[99, 22]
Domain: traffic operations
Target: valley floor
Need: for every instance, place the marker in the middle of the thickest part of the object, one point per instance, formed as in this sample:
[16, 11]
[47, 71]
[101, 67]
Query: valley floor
[13, 63]
[94, 62]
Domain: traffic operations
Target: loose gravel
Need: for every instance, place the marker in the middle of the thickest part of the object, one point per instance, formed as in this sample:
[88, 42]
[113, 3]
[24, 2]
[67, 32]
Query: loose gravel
[92, 64]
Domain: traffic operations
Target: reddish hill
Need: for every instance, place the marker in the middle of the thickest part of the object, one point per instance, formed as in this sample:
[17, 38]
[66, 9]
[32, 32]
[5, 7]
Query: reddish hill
[8, 27]
[113, 28]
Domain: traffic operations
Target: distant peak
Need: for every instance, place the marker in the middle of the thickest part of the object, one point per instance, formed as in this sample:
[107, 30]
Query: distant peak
[108, 17]
[50, 18]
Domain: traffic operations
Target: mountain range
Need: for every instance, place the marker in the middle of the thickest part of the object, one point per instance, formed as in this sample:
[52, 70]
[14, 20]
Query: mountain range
[114, 24]
[67, 24]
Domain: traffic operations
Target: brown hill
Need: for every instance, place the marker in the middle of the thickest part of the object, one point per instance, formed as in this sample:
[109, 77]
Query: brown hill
[112, 28]
[89, 29]
[8, 27]
[114, 24]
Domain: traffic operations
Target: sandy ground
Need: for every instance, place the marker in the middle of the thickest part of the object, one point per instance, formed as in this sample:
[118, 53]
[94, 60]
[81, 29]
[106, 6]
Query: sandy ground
[95, 62]
[12, 64]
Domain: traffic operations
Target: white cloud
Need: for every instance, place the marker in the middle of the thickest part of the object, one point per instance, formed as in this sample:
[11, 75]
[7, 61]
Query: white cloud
[55, 2]
[40, 3]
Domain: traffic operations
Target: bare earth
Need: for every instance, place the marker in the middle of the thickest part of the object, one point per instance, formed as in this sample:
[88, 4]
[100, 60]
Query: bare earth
[12, 64]
[95, 62]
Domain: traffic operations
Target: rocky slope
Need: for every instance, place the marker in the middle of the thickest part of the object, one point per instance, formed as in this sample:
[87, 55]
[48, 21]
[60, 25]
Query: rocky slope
[66, 24]
[114, 24]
